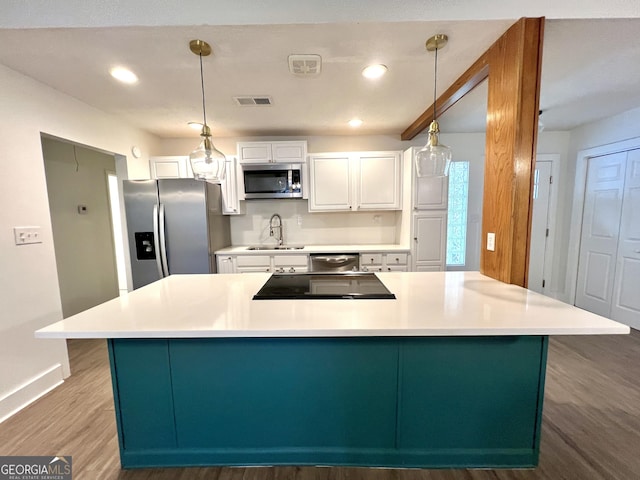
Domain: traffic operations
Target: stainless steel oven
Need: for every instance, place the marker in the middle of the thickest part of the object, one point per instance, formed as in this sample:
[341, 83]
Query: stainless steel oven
[273, 180]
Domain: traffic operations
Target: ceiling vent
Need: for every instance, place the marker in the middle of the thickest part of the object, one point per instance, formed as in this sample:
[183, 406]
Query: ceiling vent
[305, 65]
[248, 101]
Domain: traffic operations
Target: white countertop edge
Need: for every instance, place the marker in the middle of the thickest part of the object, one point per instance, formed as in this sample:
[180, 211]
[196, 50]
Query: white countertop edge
[307, 249]
[462, 332]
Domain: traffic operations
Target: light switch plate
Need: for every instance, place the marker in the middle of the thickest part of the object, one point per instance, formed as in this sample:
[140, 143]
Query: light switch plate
[491, 242]
[27, 235]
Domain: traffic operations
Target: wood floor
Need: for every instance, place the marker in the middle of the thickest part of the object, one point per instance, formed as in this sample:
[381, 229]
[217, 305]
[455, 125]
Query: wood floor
[591, 424]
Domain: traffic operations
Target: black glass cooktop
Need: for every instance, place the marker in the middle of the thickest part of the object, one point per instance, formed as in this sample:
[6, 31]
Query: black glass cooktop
[313, 286]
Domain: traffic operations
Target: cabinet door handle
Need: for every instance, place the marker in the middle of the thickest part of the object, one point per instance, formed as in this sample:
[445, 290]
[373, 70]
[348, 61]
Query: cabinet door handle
[415, 238]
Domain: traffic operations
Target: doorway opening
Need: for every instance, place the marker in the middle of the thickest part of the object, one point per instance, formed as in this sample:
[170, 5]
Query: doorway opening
[84, 207]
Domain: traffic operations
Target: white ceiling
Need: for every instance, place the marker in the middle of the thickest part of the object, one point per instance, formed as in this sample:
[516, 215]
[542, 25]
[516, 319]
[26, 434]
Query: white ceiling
[591, 69]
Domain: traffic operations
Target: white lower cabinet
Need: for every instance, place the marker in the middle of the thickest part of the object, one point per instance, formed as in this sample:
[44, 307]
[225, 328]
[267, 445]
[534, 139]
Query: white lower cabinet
[291, 263]
[429, 241]
[226, 264]
[384, 262]
[253, 263]
[262, 263]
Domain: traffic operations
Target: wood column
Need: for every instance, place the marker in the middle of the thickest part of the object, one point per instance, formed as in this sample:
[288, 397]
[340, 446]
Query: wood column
[515, 62]
[512, 65]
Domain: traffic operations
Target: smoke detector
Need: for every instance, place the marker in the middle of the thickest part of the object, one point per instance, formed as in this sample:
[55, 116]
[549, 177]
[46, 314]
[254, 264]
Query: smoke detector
[305, 65]
[252, 101]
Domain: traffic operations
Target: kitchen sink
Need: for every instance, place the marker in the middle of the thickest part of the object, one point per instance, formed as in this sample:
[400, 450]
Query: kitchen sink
[276, 247]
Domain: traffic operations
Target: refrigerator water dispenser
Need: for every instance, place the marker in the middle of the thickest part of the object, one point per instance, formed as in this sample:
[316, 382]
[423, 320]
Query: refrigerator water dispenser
[145, 249]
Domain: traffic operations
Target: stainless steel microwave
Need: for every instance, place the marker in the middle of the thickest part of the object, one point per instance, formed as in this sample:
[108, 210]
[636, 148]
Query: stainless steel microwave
[273, 180]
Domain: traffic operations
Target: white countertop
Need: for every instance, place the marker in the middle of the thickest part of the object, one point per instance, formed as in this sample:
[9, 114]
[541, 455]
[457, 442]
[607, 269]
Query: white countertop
[427, 304]
[234, 250]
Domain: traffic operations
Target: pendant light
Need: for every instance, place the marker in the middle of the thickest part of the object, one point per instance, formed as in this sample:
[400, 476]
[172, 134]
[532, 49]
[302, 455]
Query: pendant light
[207, 162]
[433, 159]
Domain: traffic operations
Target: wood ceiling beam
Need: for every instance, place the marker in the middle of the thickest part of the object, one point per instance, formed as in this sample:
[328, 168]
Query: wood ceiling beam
[469, 80]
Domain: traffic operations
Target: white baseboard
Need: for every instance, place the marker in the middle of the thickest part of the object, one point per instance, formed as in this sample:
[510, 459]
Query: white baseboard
[30, 391]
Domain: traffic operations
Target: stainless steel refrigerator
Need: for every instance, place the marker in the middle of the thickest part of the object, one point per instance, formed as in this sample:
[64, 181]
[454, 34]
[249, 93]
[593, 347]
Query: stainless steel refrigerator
[174, 226]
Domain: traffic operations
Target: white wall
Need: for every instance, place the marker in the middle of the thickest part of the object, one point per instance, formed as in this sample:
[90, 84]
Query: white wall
[617, 128]
[29, 294]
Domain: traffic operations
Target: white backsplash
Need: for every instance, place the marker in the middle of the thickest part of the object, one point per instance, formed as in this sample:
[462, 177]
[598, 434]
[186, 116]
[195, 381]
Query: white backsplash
[302, 227]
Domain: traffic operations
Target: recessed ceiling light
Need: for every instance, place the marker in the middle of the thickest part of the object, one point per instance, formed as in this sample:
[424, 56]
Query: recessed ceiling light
[355, 122]
[374, 71]
[123, 75]
[195, 125]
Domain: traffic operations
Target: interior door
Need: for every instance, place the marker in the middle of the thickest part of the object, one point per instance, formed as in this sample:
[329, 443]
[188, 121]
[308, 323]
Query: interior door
[600, 232]
[626, 296]
[539, 226]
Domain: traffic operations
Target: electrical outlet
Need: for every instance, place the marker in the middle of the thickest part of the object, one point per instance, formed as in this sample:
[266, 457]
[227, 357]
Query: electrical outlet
[26, 235]
[491, 242]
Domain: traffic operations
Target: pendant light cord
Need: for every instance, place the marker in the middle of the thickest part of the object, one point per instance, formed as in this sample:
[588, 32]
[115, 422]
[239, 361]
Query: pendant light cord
[435, 83]
[204, 109]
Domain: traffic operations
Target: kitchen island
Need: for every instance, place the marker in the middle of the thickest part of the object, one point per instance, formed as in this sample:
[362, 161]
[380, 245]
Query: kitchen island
[448, 374]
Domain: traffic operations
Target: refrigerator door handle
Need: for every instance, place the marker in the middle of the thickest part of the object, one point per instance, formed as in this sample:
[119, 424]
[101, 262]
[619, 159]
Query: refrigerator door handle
[163, 243]
[156, 241]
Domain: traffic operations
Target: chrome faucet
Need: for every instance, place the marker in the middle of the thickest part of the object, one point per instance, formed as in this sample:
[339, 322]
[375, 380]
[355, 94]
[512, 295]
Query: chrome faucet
[276, 225]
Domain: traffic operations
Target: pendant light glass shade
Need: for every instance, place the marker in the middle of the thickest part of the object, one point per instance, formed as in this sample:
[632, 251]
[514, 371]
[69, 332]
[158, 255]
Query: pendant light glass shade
[434, 159]
[207, 162]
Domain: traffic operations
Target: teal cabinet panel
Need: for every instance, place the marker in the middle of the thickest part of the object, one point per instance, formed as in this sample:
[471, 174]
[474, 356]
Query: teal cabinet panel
[143, 393]
[471, 392]
[392, 402]
[285, 393]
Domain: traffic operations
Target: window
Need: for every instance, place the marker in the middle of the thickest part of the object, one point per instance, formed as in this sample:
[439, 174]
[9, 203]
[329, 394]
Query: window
[457, 217]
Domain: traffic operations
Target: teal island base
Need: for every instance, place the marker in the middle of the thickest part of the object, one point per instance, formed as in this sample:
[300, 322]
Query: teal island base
[426, 402]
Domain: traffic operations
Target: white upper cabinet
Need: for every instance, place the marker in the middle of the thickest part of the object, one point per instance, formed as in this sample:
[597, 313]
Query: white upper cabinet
[170, 167]
[431, 193]
[272, 152]
[379, 181]
[355, 181]
[231, 189]
[331, 182]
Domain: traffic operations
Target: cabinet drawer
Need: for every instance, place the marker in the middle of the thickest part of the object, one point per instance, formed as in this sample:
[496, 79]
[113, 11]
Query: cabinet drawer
[253, 269]
[291, 269]
[290, 260]
[396, 259]
[396, 268]
[253, 261]
[370, 259]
